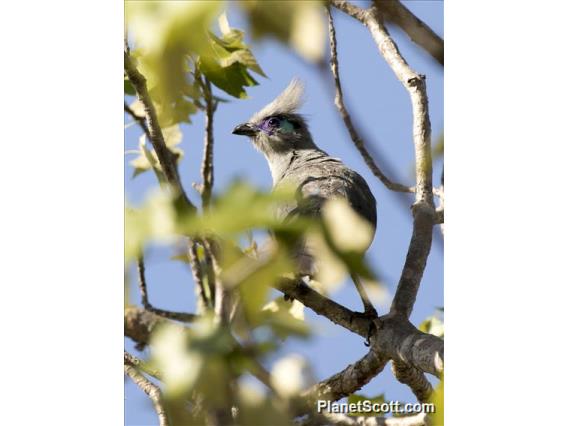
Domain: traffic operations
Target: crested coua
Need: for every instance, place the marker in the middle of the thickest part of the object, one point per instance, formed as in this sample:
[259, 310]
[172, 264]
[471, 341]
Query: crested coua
[282, 135]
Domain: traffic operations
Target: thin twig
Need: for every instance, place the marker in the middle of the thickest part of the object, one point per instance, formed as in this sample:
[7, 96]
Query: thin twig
[203, 299]
[139, 119]
[207, 163]
[166, 157]
[178, 316]
[340, 104]
[418, 31]
[141, 365]
[150, 389]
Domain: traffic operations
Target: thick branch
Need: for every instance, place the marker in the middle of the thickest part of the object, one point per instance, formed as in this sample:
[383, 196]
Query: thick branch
[415, 84]
[150, 389]
[166, 158]
[400, 341]
[418, 31]
[423, 209]
[347, 381]
[395, 337]
[340, 104]
[415, 262]
[414, 378]
[337, 419]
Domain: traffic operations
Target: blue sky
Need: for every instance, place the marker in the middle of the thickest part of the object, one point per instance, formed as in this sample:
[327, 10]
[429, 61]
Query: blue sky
[381, 108]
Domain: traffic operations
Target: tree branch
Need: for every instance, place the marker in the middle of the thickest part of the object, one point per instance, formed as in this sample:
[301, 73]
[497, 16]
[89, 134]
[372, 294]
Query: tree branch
[414, 378]
[207, 163]
[397, 339]
[321, 305]
[420, 33]
[394, 337]
[178, 316]
[141, 365]
[166, 158]
[346, 382]
[139, 119]
[202, 296]
[150, 389]
[415, 263]
[423, 209]
[340, 104]
[336, 419]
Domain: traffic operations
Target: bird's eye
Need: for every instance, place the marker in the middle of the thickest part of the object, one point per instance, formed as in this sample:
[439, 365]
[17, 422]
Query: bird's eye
[273, 122]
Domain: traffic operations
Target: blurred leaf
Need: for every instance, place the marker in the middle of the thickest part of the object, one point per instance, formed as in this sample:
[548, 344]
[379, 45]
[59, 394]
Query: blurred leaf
[348, 230]
[438, 149]
[253, 406]
[299, 24]
[179, 366]
[137, 108]
[432, 325]
[128, 88]
[331, 271]
[290, 375]
[148, 159]
[258, 280]
[437, 398]
[256, 211]
[156, 220]
[285, 318]
[166, 33]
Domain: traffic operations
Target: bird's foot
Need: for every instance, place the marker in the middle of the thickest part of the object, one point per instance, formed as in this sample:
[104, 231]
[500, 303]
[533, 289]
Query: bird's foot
[370, 314]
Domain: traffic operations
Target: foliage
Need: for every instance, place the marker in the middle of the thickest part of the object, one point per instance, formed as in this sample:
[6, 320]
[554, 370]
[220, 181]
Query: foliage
[437, 399]
[298, 23]
[173, 62]
[203, 365]
[433, 325]
[201, 360]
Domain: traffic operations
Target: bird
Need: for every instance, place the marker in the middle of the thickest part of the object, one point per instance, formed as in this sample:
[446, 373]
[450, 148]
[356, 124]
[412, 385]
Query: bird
[282, 135]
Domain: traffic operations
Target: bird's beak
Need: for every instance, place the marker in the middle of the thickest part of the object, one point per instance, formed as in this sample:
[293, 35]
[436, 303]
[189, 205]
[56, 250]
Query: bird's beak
[245, 129]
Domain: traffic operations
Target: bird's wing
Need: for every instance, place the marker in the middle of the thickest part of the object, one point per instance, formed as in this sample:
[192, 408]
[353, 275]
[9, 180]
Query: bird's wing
[325, 178]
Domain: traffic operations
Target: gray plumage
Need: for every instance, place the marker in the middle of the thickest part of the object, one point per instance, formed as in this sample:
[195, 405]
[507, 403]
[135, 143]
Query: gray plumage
[282, 135]
[295, 159]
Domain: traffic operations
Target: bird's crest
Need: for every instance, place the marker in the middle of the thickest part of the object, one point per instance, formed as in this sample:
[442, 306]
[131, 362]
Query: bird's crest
[286, 102]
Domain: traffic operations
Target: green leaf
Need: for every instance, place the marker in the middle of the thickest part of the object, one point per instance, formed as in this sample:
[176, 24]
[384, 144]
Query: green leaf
[432, 325]
[228, 79]
[148, 159]
[128, 87]
[285, 318]
[166, 35]
[437, 398]
[300, 24]
[155, 220]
